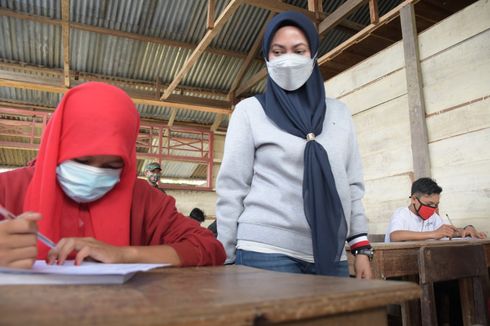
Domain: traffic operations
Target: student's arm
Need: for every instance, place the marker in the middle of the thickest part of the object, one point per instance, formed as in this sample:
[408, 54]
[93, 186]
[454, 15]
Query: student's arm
[234, 178]
[18, 241]
[444, 230]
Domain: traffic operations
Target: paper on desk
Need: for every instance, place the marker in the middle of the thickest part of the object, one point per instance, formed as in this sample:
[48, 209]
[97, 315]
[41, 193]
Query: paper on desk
[68, 273]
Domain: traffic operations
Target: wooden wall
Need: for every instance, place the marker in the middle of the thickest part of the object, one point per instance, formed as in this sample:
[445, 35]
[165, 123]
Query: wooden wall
[455, 63]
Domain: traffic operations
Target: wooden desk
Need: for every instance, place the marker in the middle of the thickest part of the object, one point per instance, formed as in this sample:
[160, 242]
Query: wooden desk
[397, 259]
[227, 295]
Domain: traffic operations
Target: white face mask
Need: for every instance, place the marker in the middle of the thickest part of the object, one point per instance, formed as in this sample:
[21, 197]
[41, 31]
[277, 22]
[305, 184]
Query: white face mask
[290, 71]
[85, 183]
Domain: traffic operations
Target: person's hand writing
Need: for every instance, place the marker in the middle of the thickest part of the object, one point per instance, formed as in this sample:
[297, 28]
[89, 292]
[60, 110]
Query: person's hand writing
[85, 248]
[362, 267]
[18, 241]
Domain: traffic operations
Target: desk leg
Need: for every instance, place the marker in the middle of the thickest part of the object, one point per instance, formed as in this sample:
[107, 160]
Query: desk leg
[473, 301]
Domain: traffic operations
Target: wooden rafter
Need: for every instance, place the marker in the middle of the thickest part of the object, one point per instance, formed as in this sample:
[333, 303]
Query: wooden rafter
[196, 104]
[251, 82]
[217, 121]
[279, 6]
[65, 26]
[338, 15]
[112, 32]
[316, 7]
[52, 75]
[373, 11]
[365, 32]
[211, 13]
[246, 63]
[208, 37]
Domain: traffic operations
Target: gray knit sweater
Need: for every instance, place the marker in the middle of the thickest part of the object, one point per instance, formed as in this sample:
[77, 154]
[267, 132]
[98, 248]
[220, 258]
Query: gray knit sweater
[260, 181]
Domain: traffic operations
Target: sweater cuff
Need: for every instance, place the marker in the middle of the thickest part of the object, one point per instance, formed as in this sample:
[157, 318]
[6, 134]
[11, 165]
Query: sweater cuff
[358, 241]
[187, 254]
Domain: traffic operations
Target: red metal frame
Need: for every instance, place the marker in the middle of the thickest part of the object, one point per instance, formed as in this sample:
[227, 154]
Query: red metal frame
[155, 141]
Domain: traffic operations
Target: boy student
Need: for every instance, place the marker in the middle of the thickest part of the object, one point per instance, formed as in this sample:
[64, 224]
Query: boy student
[420, 220]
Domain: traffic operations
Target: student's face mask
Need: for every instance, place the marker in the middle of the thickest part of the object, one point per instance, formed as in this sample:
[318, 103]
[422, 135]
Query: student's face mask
[424, 211]
[290, 71]
[84, 183]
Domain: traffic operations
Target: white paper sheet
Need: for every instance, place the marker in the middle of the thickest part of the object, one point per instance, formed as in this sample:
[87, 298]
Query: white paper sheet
[68, 273]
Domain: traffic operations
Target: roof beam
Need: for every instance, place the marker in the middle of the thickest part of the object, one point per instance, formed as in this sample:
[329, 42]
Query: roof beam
[365, 32]
[279, 6]
[194, 104]
[211, 13]
[217, 121]
[373, 11]
[251, 82]
[208, 37]
[338, 15]
[57, 75]
[316, 7]
[246, 63]
[65, 26]
[107, 31]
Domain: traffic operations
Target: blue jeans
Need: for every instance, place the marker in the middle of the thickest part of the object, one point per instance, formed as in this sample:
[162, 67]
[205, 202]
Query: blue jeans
[283, 263]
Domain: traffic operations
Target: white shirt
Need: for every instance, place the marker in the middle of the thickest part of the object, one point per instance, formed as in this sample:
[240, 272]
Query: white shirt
[404, 220]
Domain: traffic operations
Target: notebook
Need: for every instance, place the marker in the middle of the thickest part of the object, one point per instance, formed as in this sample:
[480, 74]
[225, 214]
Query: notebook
[68, 273]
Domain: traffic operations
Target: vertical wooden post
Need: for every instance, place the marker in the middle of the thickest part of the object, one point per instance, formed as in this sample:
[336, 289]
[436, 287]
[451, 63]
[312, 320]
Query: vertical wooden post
[65, 27]
[416, 104]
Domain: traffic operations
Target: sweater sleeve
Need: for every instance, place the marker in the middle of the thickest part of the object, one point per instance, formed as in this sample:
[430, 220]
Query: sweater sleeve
[234, 178]
[159, 222]
[357, 237]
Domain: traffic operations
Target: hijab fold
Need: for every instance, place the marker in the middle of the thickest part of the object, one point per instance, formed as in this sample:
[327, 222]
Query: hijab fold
[91, 119]
[301, 112]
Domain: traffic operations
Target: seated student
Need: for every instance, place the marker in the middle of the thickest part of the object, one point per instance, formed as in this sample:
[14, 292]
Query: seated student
[153, 173]
[83, 193]
[420, 221]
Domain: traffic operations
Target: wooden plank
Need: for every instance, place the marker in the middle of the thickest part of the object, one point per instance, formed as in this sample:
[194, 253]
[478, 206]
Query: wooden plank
[375, 67]
[113, 32]
[217, 121]
[340, 13]
[279, 6]
[211, 13]
[137, 100]
[448, 32]
[203, 44]
[386, 163]
[378, 92]
[373, 11]
[316, 6]
[171, 120]
[65, 26]
[384, 127]
[246, 63]
[463, 149]
[24, 72]
[461, 120]
[245, 86]
[416, 103]
[386, 18]
[466, 65]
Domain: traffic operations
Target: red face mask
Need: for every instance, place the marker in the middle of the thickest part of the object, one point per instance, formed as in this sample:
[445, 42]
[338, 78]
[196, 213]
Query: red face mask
[424, 211]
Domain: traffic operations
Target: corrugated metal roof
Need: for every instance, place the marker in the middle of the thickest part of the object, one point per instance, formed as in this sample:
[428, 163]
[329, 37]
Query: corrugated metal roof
[40, 44]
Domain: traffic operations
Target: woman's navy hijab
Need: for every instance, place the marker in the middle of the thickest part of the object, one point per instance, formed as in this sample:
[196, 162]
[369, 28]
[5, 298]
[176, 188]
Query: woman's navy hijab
[299, 113]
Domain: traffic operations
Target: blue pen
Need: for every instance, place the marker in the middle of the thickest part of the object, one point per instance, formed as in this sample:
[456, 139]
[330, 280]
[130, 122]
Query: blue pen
[44, 239]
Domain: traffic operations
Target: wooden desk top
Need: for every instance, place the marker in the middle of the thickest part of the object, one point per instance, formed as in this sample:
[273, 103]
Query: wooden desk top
[224, 295]
[396, 259]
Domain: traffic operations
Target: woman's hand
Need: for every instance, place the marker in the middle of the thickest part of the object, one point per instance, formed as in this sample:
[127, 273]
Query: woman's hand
[18, 241]
[362, 267]
[86, 248]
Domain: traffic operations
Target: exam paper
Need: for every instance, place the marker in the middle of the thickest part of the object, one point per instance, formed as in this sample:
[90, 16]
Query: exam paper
[68, 273]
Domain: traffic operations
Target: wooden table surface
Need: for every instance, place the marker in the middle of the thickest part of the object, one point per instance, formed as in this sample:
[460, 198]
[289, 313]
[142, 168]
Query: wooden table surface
[226, 295]
[396, 259]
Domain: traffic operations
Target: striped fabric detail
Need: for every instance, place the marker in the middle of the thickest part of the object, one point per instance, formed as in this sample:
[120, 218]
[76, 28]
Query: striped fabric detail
[359, 241]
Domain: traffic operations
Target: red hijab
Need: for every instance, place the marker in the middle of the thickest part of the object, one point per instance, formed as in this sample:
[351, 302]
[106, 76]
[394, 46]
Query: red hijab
[92, 119]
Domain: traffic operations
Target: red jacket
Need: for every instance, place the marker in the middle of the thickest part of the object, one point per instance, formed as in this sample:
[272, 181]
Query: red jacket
[154, 220]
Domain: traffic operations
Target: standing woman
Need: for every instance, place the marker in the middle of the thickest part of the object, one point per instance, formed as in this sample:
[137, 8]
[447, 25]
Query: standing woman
[290, 184]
